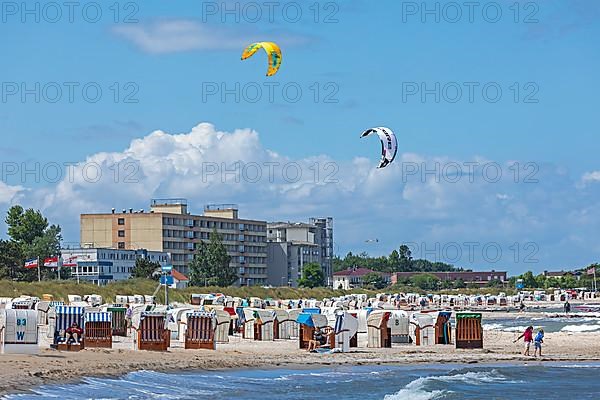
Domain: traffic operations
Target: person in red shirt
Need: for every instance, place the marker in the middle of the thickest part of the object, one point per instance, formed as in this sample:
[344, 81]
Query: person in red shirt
[74, 333]
[527, 339]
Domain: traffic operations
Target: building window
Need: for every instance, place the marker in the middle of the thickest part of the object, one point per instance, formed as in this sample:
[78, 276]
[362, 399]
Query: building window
[121, 245]
[121, 221]
[121, 233]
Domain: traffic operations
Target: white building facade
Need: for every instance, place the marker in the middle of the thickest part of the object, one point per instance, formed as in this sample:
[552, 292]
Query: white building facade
[290, 246]
[101, 266]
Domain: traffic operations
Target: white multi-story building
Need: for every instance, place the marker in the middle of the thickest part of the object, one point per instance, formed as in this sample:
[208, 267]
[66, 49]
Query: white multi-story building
[102, 265]
[290, 246]
[169, 227]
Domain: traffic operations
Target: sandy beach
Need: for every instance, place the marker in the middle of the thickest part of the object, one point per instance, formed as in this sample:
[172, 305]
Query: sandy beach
[20, 372]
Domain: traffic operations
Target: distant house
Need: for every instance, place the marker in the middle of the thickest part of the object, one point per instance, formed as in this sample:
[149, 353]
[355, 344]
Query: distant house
[353, 278]
[180, 281]
[468, 277]
[562, 274]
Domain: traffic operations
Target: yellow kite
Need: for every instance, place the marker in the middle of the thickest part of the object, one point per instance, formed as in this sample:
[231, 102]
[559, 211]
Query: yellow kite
[273, 54]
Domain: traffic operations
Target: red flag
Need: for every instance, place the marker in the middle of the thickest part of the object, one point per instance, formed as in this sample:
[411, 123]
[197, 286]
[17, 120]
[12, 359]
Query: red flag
[51, 262]
[70, 261]
[31, 263]
[591, 271]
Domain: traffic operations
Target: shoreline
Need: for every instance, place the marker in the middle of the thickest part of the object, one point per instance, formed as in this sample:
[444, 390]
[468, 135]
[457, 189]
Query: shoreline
[21, 373]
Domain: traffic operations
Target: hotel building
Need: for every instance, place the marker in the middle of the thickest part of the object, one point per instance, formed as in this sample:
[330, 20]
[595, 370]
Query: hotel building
[169, 227]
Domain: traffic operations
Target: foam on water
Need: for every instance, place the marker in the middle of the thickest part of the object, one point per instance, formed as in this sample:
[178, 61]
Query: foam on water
[448, 382]
[580, 328]
[417, 389]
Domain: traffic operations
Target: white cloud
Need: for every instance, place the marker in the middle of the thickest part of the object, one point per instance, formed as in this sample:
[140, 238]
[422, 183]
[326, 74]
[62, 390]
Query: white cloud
[206, 165]
[590, 177]
[8, 193]
[180, 35]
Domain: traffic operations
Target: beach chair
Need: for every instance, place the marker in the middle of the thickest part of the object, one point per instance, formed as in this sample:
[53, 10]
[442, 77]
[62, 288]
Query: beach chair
[422, 329]
[233, 316]
[443, 329]
[18, 331]
[118, 321]
[65, 316]
[346, 328]
[380, 335]
[98, 329]
[22, 304]
[307, 323]
[200, 330]
[469, 332]
[223, 319]
[399, 327]
[151, 332]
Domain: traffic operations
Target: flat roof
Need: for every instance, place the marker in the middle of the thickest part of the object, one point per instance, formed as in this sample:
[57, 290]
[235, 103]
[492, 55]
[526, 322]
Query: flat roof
[184, 216]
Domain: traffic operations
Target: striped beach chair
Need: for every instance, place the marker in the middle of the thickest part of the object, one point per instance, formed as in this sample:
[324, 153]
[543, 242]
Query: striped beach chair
[65, 316]
[469, 331]
[98, 329]
[200, 330]
[151, 332]
[119, 323]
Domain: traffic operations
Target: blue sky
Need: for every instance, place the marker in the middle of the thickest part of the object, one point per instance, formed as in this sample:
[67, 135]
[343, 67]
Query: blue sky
[364, 56]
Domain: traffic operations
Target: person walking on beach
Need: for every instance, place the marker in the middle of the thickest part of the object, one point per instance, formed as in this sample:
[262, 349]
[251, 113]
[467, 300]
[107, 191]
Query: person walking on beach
[128, 316]
[527, 339]
[537, 343]
[567, 307]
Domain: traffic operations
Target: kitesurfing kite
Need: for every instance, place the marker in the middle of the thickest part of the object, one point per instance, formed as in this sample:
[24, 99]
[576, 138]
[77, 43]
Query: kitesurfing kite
[389, 144]
[273, 55]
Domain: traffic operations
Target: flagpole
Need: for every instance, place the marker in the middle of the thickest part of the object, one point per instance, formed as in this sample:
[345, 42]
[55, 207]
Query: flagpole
[39, 270]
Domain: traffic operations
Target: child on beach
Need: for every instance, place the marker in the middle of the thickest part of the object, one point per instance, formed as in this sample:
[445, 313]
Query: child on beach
[527, 339]
[537, 343]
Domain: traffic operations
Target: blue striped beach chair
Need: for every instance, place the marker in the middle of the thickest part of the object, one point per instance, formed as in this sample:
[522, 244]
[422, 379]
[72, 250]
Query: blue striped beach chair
[98, 329]
[65, 317]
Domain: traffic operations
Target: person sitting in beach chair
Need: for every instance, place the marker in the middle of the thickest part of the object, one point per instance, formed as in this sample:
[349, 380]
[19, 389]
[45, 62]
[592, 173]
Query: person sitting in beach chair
[319, 340]
[74, 333]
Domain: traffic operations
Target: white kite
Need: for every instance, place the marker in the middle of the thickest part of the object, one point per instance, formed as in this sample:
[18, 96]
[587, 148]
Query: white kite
[389, 144]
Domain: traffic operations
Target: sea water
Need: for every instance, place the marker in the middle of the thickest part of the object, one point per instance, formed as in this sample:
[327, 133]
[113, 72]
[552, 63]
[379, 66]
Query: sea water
[502, 382]
[517, 323]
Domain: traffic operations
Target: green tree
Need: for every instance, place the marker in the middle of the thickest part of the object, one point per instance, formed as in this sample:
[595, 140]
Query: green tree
[569, 282]
[425, 281]
[459, 284]
[529, 280]
[199, 269]
[373, 280]
[10, 259]
[447, 284]
[312, 276]
[146, 269]
[210, 265]
[394, 261]
[32, 237]
[405, 259]
[24, 226]
[494, 283]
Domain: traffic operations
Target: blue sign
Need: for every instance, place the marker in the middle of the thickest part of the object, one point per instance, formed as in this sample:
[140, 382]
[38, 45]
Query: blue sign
[520, 284]
[167, 268]
[166, 280]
